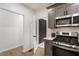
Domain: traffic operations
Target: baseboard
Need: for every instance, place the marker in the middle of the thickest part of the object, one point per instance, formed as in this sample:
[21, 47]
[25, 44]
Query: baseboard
[10, 48]
[27, 50]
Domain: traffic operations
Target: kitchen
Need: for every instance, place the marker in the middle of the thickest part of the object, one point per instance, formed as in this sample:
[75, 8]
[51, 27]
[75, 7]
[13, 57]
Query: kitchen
[63, 21]
[46, 29]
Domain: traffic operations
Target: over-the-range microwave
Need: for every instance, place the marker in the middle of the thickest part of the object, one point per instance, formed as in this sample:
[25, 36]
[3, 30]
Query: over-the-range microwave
[68, 20]
[75, 19]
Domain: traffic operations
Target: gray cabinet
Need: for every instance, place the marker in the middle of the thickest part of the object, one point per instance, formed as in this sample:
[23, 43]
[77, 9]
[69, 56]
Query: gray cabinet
[51, 18]
[77, 7]
[60, 10]
[48, 48]
[71, 9]
[67, 9]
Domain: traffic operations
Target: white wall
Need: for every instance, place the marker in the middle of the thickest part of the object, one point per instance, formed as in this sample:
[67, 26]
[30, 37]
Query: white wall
[66, 29]
[11, 25]
[28, 18]
[43, 13]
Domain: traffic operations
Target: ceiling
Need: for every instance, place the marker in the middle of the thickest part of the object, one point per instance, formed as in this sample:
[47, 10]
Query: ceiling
[37, 6]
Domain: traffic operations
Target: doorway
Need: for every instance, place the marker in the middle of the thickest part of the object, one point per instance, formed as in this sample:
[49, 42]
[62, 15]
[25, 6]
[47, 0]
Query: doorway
[39, 32]
[42, 30]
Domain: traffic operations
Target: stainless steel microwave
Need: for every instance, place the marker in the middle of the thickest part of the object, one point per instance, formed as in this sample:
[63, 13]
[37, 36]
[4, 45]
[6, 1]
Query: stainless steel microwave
[75, 19]
[64, 20]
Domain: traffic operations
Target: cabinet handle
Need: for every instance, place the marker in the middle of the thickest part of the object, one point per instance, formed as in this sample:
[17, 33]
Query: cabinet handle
[64, 12]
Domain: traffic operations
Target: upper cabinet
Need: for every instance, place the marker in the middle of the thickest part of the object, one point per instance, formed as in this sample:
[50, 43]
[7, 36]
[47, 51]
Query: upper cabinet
[51, 18]
[60, 10]
[71, 9]
[67, 9]
[77, 7]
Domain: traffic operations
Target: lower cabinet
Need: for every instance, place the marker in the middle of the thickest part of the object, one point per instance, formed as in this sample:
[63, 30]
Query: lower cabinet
[48, 48]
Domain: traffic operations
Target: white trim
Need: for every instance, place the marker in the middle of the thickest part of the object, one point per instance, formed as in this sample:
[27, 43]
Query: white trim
[37, 31]
[24, 50]
[76, 14]
[63, 25]
[9, 48]
[63, 16]
[67, 25]
[75, 24]
[37, 34]
[11, 11]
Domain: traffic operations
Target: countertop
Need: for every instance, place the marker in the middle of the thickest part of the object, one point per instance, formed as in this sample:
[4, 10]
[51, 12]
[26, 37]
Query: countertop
[49, 38]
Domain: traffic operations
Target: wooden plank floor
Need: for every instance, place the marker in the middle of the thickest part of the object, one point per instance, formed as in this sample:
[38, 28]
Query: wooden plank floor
[39, 52]
[12, 52]
[29, 53]
[18, 52]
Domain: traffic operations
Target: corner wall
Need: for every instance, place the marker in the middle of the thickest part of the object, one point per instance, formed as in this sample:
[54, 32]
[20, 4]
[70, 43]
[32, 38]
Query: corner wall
[28, 18]
[42, 13]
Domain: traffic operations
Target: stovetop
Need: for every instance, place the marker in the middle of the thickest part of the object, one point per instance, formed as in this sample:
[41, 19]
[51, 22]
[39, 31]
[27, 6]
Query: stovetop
[67, 41]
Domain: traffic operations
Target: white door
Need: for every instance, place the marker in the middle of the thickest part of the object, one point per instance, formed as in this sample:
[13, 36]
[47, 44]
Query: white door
[35, 33]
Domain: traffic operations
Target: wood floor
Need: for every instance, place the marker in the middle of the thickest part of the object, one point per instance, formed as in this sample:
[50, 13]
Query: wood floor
[29, 53]
[18, 52]
[39, 52]
[12, 52]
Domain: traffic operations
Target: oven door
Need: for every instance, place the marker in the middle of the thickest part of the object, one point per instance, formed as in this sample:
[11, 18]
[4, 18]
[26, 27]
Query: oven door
[57, 51]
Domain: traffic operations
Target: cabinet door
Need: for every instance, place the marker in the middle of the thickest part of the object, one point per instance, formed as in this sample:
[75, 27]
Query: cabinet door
[60, 10]
[71, 8]
[77, 7]
[48, 49]
[51, 18]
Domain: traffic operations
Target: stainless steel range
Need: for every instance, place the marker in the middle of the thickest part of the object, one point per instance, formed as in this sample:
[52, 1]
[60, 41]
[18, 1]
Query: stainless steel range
[68, 39]
[66, 44]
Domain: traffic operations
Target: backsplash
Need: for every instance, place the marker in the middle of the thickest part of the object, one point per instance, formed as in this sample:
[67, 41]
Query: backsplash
[66, 29]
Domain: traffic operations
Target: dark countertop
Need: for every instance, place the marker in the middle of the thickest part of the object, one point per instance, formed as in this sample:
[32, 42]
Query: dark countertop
[49, 38]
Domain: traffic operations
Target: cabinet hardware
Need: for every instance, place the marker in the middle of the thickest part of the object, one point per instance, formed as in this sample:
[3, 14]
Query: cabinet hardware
[64, 12]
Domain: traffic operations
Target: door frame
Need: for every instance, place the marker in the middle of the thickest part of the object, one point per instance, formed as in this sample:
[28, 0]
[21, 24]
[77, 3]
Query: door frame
[37, 31]
[36, 21]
